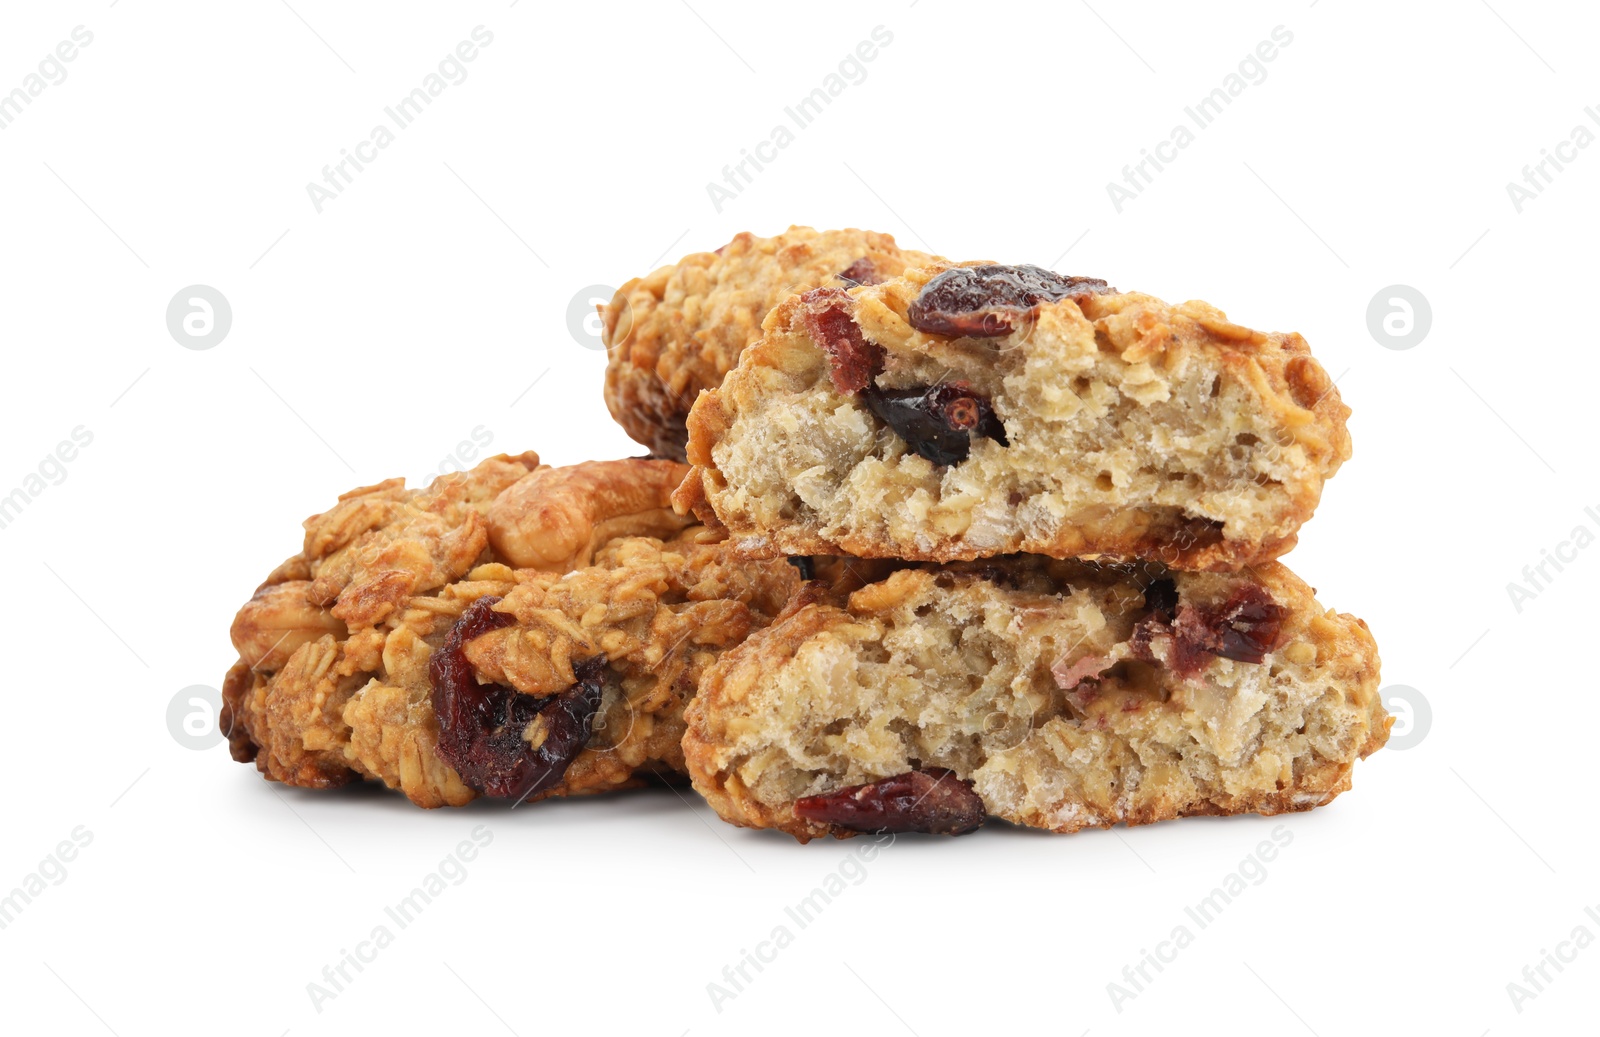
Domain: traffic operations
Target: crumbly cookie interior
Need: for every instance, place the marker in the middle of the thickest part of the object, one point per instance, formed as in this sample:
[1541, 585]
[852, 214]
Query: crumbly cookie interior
[1118, 443]
[1039, 697]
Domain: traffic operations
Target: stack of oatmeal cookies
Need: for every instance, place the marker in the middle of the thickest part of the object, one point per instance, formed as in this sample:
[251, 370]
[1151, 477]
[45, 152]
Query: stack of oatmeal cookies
[953, 541]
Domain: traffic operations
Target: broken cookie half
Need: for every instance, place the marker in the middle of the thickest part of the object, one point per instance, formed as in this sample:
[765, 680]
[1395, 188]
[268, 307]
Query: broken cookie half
[1056, 695]
[961, 412]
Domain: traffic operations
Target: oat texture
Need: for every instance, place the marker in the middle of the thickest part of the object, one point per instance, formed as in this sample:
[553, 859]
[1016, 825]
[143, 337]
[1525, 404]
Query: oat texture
[1132, 429]
[1060, 690]
[680, 329]
[333, 684]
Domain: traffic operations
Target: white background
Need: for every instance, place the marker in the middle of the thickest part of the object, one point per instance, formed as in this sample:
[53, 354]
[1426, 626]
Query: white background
[368, 340]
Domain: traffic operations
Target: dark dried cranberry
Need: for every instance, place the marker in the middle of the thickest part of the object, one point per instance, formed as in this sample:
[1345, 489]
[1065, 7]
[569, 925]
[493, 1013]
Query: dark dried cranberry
[933, 801]
[483, 727]
[1161, 604]
[1248, 626]
[1244, 628]
[988, 301]
[1161, 597]
[860, 272]
[855, 361]
[937, 422]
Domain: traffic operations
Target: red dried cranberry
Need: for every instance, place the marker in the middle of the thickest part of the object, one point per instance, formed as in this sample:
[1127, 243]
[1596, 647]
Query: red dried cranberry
[1244, 628]
[937, 422]
[855, 361]
[933, 801]
[1249, 625]
[482, 726]
[1188, 656]
[862, 271]
[988, 301]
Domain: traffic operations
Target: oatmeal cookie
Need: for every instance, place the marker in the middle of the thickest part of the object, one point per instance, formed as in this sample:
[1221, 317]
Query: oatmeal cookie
[971, 411]
[612, 651]
[402, 645]
[1057, 695]
[339, 614]
[679, 330]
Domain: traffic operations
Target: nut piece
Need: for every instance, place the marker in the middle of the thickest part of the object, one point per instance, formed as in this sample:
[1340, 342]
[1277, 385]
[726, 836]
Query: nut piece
[278, 619]
[553, 519]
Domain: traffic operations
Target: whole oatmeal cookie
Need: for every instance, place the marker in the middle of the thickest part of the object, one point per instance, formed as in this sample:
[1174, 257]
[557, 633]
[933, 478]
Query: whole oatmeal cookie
[679, 330]
[475, 677]
[971, 411]
[1057, 695]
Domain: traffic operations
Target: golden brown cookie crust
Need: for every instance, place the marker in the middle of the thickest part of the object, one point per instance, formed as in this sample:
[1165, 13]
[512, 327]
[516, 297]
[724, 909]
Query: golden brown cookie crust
[343, 612]
[1135, 429]
[680, 329]
[333, 682]
[660, 612]
[1022, 676]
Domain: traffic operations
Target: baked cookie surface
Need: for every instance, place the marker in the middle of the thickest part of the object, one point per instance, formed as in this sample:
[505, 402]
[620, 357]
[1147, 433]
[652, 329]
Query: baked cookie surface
[404, 645]
[1056, 695]
[977, 410]
[680, 329]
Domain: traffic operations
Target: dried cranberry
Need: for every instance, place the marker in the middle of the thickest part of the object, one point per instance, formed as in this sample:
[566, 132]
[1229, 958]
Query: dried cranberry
[862, 271]
[1244, 628]
[1161, 603]
[482, 727]
[937, 422]
[988, 301]
[933, 801]
[1161, 597]
[1248, 626]
[855, 361]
